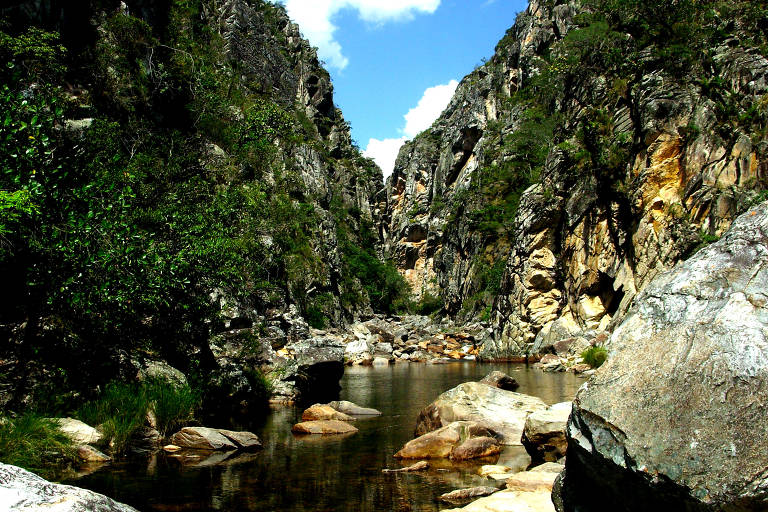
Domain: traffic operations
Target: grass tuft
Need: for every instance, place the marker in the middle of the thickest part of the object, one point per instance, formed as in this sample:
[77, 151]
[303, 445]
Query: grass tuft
[35, 443]
[595, 356]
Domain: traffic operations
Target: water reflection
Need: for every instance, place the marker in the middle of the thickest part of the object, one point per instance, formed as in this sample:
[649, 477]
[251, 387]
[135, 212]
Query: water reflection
[310, 473]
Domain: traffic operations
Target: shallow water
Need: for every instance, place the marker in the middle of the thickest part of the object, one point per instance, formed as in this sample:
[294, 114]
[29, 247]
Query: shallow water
[332, 473]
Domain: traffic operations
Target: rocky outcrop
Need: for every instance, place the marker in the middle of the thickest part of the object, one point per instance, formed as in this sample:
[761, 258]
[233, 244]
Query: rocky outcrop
[673, 419]
[21, 490]
[502, 411]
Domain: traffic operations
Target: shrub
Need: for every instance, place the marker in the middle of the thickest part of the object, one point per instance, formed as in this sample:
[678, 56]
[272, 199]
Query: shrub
[428, 304]
[34, 443]
[595, 356]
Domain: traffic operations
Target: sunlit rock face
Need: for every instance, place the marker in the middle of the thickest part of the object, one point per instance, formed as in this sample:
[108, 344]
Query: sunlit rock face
[673, 419]
[579, 246]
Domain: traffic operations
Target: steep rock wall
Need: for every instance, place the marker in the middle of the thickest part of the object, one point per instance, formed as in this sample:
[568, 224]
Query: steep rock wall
[636, 171]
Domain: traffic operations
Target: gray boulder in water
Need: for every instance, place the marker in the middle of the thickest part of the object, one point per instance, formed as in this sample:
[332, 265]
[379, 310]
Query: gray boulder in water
[676, 418]
[21, 490]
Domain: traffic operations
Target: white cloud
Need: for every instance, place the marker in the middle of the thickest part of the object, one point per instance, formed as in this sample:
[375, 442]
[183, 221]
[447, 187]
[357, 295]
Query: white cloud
[419, 118]
[314, 19]
[429, 108]
[384, 152]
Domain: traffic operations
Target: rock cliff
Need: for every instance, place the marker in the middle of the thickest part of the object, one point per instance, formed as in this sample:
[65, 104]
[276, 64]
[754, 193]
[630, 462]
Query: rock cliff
[670, 420]
[562, 178]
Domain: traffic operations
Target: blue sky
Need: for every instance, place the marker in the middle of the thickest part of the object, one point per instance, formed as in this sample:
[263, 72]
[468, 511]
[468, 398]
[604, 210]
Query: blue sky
[395, 58]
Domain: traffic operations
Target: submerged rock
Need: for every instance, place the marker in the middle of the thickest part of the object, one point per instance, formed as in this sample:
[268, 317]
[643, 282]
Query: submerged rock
[460, 496]
[419, 466]
[500, 380]
[675, 419]
[503, 411]
[88, 453]
[353, 409]
[21, 490]
[327, 427]
[511, 501]
[476, 448]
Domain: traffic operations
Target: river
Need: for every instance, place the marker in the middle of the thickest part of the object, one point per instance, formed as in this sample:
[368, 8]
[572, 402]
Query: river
[313, 473]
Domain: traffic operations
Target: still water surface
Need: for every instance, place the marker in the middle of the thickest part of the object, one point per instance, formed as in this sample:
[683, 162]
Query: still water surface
[331, 473]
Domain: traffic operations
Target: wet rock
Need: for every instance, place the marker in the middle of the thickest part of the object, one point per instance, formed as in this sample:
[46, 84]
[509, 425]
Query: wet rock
[324, 412]
[475, 448]
[500, 380]
[172, 448]
[243, 439]
[673, 420]
[77, 431]
[327, 427]
[490, 470]
[460, 496]
[353, 409]
[419, 466]
[441, 443]
[544, 433]
[201, 438]
[21, 490]
[502, 411]
[88, 453]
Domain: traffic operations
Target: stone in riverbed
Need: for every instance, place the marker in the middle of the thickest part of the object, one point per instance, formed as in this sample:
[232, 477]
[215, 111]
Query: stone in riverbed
[201, 438]
[441, 443]
[21, 490]
[353, 409]
[544, 433]
[328, 427]
[243, 439]
[500, 380]
[475, 448]
[503, 411]
[675, 419]
[88, 453]
[320, 412]
[460, 496]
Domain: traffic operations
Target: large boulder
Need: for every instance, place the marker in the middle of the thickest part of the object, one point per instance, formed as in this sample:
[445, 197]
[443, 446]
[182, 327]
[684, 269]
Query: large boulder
[441, 443]
[511, 501]
[675, 419]
[21, 490]
[502, 411]
[544, 433]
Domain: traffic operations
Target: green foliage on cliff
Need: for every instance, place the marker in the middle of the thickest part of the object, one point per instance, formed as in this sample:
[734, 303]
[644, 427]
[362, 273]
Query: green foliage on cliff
[145, 169]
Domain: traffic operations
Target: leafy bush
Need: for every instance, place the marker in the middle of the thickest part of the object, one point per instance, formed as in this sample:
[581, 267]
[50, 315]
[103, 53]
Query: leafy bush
[595, 356]
[428, 304]
[34, 443]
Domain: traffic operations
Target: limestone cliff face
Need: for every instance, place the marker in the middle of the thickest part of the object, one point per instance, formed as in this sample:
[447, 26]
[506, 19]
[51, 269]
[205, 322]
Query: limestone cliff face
[587, 233]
